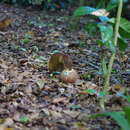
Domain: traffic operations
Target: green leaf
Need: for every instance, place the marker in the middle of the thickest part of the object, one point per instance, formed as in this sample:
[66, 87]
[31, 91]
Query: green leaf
[124, 24]
[111, 46]
[112, 4]
[106, 31]
[123, 33]
[102, 94]
[25, 40]
[84, 10]
[90, 91]
[100, 43]
[24, 119]
[127, 98]
[123, 96]
[127, 113]
[91, 28]
[74, 106]
[118, 117]
[122, 44]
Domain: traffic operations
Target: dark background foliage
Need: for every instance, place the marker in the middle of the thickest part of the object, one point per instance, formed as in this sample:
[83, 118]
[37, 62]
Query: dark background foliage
[65, 4]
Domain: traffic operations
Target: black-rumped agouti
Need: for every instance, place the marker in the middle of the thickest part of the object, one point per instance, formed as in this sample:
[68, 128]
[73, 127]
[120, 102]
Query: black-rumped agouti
[5, 21]
[59, 62]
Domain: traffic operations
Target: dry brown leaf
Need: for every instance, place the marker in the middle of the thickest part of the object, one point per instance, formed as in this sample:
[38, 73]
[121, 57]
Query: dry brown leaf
[55, 114]
[73, 114]
[59, 99]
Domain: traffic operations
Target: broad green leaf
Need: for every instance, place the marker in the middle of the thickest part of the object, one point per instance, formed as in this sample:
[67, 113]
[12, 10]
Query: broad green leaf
[109, 44]
[100, 43]
[106, 31]
[127, 113]
[112, 4]
[122, 44]
[84, 10]
[124, 24]
[118, 117]
[124, 34]
[91, 28]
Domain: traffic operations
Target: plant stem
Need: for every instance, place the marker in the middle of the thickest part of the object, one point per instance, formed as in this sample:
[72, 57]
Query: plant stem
[107, 78]
[118, 22]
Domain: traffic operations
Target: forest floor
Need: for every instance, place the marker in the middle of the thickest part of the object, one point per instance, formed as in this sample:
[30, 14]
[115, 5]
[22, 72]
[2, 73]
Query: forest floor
[30, 99]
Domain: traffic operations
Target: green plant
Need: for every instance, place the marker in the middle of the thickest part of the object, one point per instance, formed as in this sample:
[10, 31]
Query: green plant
[26, 38]
[24, 119]
[122, 117]
[100, 94]
[108, 37]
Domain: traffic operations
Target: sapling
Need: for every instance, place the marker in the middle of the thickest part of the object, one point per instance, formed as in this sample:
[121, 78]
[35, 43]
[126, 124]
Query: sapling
[115, 40]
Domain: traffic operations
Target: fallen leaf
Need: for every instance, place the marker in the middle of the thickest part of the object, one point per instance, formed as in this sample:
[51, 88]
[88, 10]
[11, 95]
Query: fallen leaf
[60, 99]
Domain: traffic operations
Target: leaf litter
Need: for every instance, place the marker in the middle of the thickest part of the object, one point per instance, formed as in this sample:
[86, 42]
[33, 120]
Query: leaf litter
[29, 97]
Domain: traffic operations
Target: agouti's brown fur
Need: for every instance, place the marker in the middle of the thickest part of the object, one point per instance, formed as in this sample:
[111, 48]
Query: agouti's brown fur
[5, 21]
[58, 62]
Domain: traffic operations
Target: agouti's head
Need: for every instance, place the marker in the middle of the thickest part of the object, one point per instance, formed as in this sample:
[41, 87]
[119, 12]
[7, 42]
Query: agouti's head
[5, 21]
[59, 62]
[8, 21]
[66, 60]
